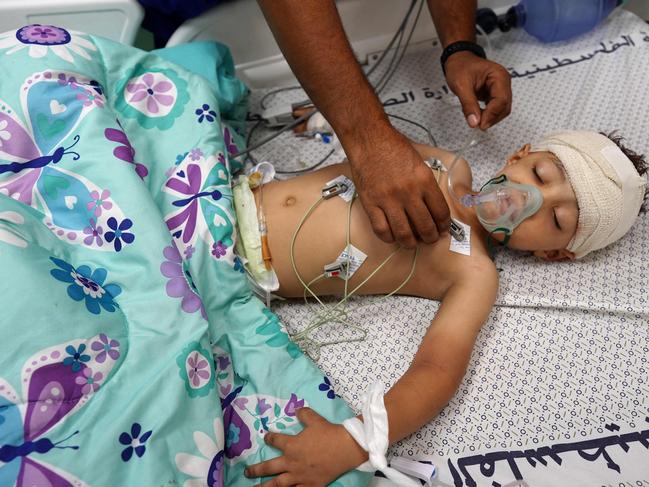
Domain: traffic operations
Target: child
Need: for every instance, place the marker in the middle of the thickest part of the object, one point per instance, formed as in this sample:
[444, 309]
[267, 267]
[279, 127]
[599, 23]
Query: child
[573, 193]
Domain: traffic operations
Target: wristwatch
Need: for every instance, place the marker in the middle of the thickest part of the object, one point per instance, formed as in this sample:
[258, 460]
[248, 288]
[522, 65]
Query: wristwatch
[458, 47]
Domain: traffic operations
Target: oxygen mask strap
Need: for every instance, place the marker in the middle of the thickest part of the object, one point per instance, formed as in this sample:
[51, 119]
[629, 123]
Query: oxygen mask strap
[490, 239]
[497, 180]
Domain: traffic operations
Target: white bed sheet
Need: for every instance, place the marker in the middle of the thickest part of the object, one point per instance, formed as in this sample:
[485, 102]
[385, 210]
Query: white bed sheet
[562, 358]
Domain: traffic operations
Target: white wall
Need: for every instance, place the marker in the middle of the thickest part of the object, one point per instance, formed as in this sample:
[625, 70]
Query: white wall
[259, 61]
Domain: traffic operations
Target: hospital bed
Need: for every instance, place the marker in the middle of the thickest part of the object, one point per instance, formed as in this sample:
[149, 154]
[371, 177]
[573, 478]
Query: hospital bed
[258, 60]
[557, 389]
[115, 19]
[556, 392]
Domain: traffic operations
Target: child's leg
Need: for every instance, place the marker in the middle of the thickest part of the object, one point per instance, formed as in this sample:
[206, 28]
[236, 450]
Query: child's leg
[322, 239]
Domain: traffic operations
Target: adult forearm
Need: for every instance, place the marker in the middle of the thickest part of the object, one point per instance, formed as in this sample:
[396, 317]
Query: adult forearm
[454, 19]
[312, 39]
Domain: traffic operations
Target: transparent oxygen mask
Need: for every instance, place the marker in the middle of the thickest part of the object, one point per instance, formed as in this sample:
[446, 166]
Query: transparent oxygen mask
[501, 205]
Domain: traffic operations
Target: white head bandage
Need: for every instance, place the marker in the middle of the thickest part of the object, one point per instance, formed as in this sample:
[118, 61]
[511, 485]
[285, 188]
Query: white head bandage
[608, 188]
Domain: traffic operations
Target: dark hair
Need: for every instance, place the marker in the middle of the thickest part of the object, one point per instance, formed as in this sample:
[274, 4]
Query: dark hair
[638, 160]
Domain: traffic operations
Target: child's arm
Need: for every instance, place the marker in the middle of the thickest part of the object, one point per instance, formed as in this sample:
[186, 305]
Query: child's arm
[440, 363]
[324, 451]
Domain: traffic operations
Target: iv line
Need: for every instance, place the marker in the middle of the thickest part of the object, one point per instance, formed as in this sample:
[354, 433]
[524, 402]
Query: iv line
[451, 166]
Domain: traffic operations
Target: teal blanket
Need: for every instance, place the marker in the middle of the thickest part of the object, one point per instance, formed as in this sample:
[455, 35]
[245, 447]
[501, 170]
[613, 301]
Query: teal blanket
[132, 351]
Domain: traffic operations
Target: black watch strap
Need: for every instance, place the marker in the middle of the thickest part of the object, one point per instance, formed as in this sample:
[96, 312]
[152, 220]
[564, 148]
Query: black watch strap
[458, 47]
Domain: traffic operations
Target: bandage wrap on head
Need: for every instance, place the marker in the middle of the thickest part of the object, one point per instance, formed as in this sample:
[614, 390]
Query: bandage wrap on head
[608, 188]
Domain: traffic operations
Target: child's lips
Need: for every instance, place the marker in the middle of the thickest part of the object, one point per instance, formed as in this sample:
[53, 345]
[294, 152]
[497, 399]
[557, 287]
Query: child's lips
[504, 204]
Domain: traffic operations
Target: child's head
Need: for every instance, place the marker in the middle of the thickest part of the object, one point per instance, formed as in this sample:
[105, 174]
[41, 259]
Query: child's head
[593, 189]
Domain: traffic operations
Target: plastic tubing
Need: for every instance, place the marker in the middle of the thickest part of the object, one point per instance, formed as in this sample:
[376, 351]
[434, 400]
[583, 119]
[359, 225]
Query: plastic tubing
[466, 200]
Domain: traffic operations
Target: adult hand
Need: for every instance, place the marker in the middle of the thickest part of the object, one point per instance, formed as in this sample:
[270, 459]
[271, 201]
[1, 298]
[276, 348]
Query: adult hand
[472, 78]
[398, 191]
[313, 458]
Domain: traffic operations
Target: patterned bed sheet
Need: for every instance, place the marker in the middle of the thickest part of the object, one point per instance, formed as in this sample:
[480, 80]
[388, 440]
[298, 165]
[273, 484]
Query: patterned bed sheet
[556, 392]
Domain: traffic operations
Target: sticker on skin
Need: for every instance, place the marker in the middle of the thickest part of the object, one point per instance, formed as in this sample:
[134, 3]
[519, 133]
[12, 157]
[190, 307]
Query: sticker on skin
[462, 247]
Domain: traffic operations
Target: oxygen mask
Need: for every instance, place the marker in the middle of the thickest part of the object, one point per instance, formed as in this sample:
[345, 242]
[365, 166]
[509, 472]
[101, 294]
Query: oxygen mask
[501, 205]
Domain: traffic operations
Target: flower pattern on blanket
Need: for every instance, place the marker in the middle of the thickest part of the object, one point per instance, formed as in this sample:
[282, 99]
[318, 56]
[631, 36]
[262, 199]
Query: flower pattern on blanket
[39, 40]
[87, 285]
[247, 418]
[206, 467]
[126, 264]
[154, 97]
[196, 368]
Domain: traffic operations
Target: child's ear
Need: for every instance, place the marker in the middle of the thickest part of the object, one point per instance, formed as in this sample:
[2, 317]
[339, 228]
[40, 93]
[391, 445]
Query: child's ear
[519, 154]
[554, 255]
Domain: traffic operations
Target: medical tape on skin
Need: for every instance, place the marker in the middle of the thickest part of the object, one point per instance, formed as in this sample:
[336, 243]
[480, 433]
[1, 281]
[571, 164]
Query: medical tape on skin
[250, 237]
[372, 435]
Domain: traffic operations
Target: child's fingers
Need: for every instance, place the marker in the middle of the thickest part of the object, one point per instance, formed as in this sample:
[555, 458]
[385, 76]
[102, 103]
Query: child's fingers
[284, 480]
[265, 469]
[277, 440]
[308, 416]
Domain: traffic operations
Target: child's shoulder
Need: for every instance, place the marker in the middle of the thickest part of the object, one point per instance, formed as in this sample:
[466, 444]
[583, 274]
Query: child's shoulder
[478, 279]
[461, 171]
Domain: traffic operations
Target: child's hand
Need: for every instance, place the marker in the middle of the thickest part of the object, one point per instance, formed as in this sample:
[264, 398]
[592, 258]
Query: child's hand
[313, 458]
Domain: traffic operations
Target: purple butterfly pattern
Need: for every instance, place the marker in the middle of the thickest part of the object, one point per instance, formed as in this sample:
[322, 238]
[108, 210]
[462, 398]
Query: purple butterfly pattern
[56, 384]
[125, 151]
[38, 155]
[202, 199]
[230, 145]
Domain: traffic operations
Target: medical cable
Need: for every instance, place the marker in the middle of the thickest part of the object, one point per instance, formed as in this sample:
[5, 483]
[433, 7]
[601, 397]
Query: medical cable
[253, 159]
[392, 67]
[388, 70]
[320, 320]
[249, 156]
[399, 32]
[384, 82]
[334, 314]
[385, 78]
[394, 38]
[489, 49]
[451, 167]
[431, 138]
[294, 123]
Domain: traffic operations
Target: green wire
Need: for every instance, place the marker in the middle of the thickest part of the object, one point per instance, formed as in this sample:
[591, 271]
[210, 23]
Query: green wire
[334, 314]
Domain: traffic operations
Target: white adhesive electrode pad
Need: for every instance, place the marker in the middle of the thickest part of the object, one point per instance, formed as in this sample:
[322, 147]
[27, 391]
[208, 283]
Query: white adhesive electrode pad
[464, 246]
[351, 189]
[355, 257]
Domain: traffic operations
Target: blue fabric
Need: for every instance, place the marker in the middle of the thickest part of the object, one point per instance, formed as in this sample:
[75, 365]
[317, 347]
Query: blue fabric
[163, 17]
